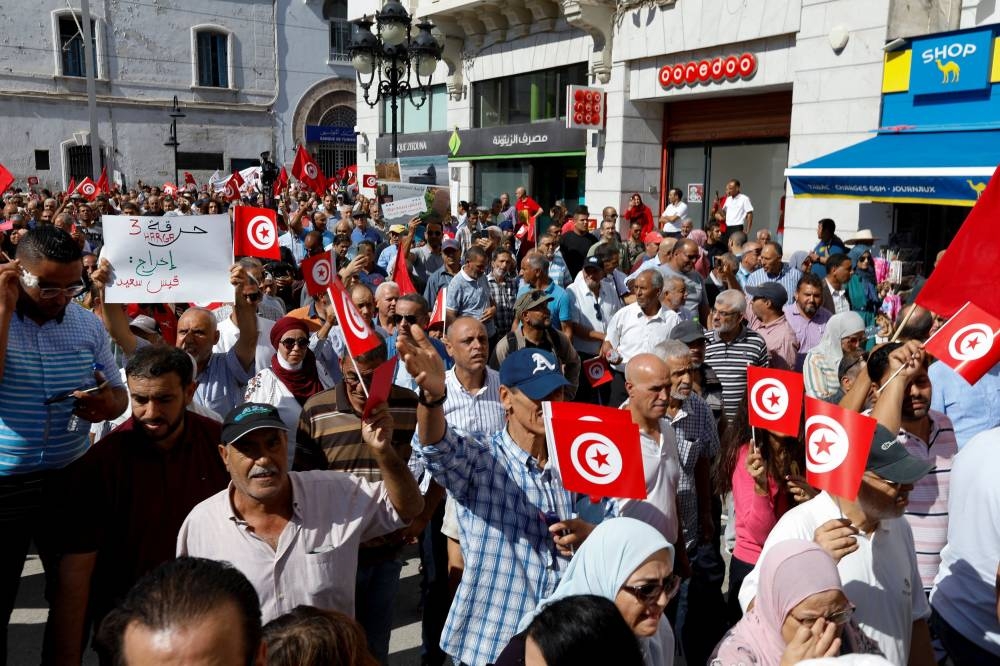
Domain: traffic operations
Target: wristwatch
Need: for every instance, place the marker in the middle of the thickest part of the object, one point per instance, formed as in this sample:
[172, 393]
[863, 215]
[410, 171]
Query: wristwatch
[422, 399]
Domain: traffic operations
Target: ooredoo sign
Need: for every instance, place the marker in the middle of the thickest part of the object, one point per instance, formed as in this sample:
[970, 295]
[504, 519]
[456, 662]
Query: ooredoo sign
[715, 70]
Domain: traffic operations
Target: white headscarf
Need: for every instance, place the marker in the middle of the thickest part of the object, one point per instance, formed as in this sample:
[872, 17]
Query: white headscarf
[605, 561]
[840, 326]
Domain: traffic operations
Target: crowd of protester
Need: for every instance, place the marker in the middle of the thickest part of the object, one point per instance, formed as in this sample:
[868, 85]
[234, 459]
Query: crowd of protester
[204, 484]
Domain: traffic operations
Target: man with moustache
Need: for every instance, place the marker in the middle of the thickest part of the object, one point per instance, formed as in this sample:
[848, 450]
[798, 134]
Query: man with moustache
[125, 499]
[807, 316]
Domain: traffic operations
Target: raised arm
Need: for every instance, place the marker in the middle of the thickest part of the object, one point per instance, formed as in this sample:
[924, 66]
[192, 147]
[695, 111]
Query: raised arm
[9, 291]
[246, 319]
[114, 317]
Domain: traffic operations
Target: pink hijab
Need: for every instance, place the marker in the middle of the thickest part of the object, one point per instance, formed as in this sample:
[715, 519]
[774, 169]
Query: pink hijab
[790, 572]
[700, 237]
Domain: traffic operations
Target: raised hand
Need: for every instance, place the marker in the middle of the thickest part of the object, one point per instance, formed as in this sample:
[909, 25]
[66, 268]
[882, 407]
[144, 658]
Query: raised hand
[422, 360]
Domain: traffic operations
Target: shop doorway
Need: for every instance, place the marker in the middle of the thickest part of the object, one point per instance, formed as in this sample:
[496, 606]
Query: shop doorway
[547, 179]
[920, 231]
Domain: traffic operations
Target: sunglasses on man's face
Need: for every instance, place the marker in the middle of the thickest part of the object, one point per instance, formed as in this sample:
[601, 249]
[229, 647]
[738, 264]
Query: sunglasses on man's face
[396, 318]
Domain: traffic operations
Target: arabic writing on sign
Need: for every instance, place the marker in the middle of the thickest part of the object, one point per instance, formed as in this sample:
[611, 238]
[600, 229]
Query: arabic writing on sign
[160, 232]
[507, 140]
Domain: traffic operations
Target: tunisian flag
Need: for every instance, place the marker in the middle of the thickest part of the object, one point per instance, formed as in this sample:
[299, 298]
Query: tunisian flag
[317, 271]
[775, 399]
[967, 342]
[281, 184]
[598, 371]
[837, 444]
[967, 271]
[308, 172]
[5, 179]
[358, 334]
[87, 189]
[102, 182]
[255, 233]
[597, 453]
[440, 314]
[231, 190]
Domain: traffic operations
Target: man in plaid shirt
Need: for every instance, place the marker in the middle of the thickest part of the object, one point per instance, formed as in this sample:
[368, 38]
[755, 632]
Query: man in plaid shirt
[514, 515]
[504, 289]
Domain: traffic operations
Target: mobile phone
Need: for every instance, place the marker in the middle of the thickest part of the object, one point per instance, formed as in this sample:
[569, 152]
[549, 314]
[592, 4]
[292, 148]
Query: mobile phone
[66, 395]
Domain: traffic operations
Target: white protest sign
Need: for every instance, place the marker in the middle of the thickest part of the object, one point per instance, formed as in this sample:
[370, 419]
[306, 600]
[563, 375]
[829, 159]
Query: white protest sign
[168, 259]
[404, 208]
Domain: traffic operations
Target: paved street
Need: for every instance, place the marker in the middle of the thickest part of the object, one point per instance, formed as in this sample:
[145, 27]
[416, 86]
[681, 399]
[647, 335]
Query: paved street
[28, 621]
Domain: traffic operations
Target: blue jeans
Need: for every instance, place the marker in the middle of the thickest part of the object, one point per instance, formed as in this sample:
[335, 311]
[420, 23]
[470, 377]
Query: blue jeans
[374, 597]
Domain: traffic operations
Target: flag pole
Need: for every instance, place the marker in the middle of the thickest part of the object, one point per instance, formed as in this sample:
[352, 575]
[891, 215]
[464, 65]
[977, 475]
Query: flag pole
[354, 362]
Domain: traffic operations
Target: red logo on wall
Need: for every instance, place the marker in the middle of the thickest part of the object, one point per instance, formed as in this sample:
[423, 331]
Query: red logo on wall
[585, 108]
[708, 71]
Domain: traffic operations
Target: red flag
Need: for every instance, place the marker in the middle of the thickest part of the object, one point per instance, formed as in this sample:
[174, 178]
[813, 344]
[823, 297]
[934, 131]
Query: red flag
[401, 273]
[775, 399]
[87, 189]
[72, 186]
[598, 371]
[102, 182]
[598, 454]
[189, 179]
[6, 179]
[281, 184]
[358, 334]
[527, 231]
[967, 271]
[440, 314]
[317, 271]
[255, 233]
[381, 386]
[308, 172]
[837, 444]
[967, 342]
[169, 189]
[231, 190]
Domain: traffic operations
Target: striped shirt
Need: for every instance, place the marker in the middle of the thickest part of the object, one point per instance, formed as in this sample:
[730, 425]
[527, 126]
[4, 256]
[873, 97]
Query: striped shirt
[927, 512]
[510, 561]
[697, 437]
[479, 414]
[788, 278]
[329, 433]
[730, 361]
[43, 360]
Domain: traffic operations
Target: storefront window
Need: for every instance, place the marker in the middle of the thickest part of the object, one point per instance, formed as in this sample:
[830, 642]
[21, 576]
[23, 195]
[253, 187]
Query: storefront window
[525, 98]
[432, 116]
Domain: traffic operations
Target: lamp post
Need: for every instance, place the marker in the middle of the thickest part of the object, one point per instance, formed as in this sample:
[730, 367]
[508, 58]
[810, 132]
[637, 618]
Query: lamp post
[392, 54]
[175, 113]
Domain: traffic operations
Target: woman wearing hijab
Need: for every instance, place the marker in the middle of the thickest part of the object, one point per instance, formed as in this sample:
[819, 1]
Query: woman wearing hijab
[862, 290]
[630, 563]
[844, 336]
[637, 210]
[799, 613]
[704, 263]
[293, 378]
[801, 260]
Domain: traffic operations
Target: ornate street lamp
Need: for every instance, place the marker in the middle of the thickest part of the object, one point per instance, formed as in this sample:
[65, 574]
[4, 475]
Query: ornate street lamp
[391, 55]
[172, 142]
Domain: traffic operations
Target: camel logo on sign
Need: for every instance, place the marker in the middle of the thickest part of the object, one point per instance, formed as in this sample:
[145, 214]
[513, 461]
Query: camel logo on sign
[769, 398]
[971, 342]
[827, 444]
[260, 233]
[596, 458]
[952, 63]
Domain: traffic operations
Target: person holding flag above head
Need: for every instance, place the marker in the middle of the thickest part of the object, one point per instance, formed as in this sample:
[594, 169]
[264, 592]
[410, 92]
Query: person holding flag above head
[513, 508]
[867, 475]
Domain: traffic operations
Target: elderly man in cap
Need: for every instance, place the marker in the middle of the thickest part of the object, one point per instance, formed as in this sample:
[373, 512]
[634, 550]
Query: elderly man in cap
[295, 535]
[533, 330]
[362, 228]
[515, 518]
[767, 318]
[387, 257]
[704, 381]
[868, 537]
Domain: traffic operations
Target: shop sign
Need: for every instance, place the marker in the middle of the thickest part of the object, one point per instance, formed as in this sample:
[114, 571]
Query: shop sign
[585, 108]
[951, 63]
[329, 134]
[529, 138]
[715, 70]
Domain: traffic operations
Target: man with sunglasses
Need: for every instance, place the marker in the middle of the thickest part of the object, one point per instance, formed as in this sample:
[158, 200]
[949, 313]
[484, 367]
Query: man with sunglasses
[592, 303]
[868, 537]
[48, 346]
[411, 309]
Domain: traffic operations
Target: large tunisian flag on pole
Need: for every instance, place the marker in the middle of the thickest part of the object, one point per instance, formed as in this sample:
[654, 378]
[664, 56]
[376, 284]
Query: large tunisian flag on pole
[308, 172]
[837, 444]
[255, 233]
[967, 271]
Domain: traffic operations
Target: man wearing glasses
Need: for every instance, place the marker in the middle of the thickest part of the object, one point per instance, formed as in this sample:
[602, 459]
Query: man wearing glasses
[48, 346]
[681, 264]
[732, 347]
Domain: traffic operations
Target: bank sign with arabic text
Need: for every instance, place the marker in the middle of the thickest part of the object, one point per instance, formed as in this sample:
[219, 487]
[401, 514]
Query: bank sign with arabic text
[483, 143]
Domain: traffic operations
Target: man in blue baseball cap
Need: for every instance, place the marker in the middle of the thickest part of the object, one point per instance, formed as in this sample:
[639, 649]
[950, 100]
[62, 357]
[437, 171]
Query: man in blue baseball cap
[516, 519]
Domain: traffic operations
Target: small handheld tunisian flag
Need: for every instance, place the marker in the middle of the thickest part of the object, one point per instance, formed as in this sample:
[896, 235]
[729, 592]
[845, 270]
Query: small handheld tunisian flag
[317, 271]
[401, 272]
[231, 190]
[281, 184]
[87, 189]
[440, 314]
[358, 334]
[837, 444]
[102, 182]
[597, 370]
[598, 454]
[775, 399]
[967, 342]
[381, 386]
[255, 233]
[169, 189]
[5, 179]
[308, 172]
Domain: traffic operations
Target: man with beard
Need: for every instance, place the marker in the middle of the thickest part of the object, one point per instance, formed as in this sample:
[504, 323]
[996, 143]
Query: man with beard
[704, 381]
[125, 499]
[807, 316]
[535, 331]
[732, 347]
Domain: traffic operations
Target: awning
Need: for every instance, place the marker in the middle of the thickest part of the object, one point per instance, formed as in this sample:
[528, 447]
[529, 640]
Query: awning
[904, 167]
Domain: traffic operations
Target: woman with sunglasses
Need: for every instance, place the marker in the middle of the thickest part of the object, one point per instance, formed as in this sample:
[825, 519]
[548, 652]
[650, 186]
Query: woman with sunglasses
[630, 563]
[293, 378]
[800, 613]
[862, 291]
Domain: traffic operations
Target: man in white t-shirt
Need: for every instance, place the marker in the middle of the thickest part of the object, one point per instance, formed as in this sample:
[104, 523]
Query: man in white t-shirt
[676, 210]
[868, 537]
[737, 211]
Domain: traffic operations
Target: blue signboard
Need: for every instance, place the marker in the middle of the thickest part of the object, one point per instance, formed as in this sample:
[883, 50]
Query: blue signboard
[955, 62]
[329, 134]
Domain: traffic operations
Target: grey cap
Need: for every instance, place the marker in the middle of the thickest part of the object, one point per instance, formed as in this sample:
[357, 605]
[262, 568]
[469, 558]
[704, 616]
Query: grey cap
[687, 332]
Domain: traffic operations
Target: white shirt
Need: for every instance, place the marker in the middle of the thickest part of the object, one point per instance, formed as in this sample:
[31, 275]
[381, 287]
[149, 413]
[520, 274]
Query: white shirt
[229, 334]
[630, 332]
[662, 466]
[478, 413]
[737, 207]
[840, 302]
[964, 593]
[679, 209]
[880, 578]
[591, 310]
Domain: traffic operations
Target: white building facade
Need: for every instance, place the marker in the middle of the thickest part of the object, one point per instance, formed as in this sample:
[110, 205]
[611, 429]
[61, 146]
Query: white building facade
[781, 82]
[248, 77]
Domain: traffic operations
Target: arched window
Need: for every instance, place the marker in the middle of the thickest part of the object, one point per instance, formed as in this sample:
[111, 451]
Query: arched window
[335, 11]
